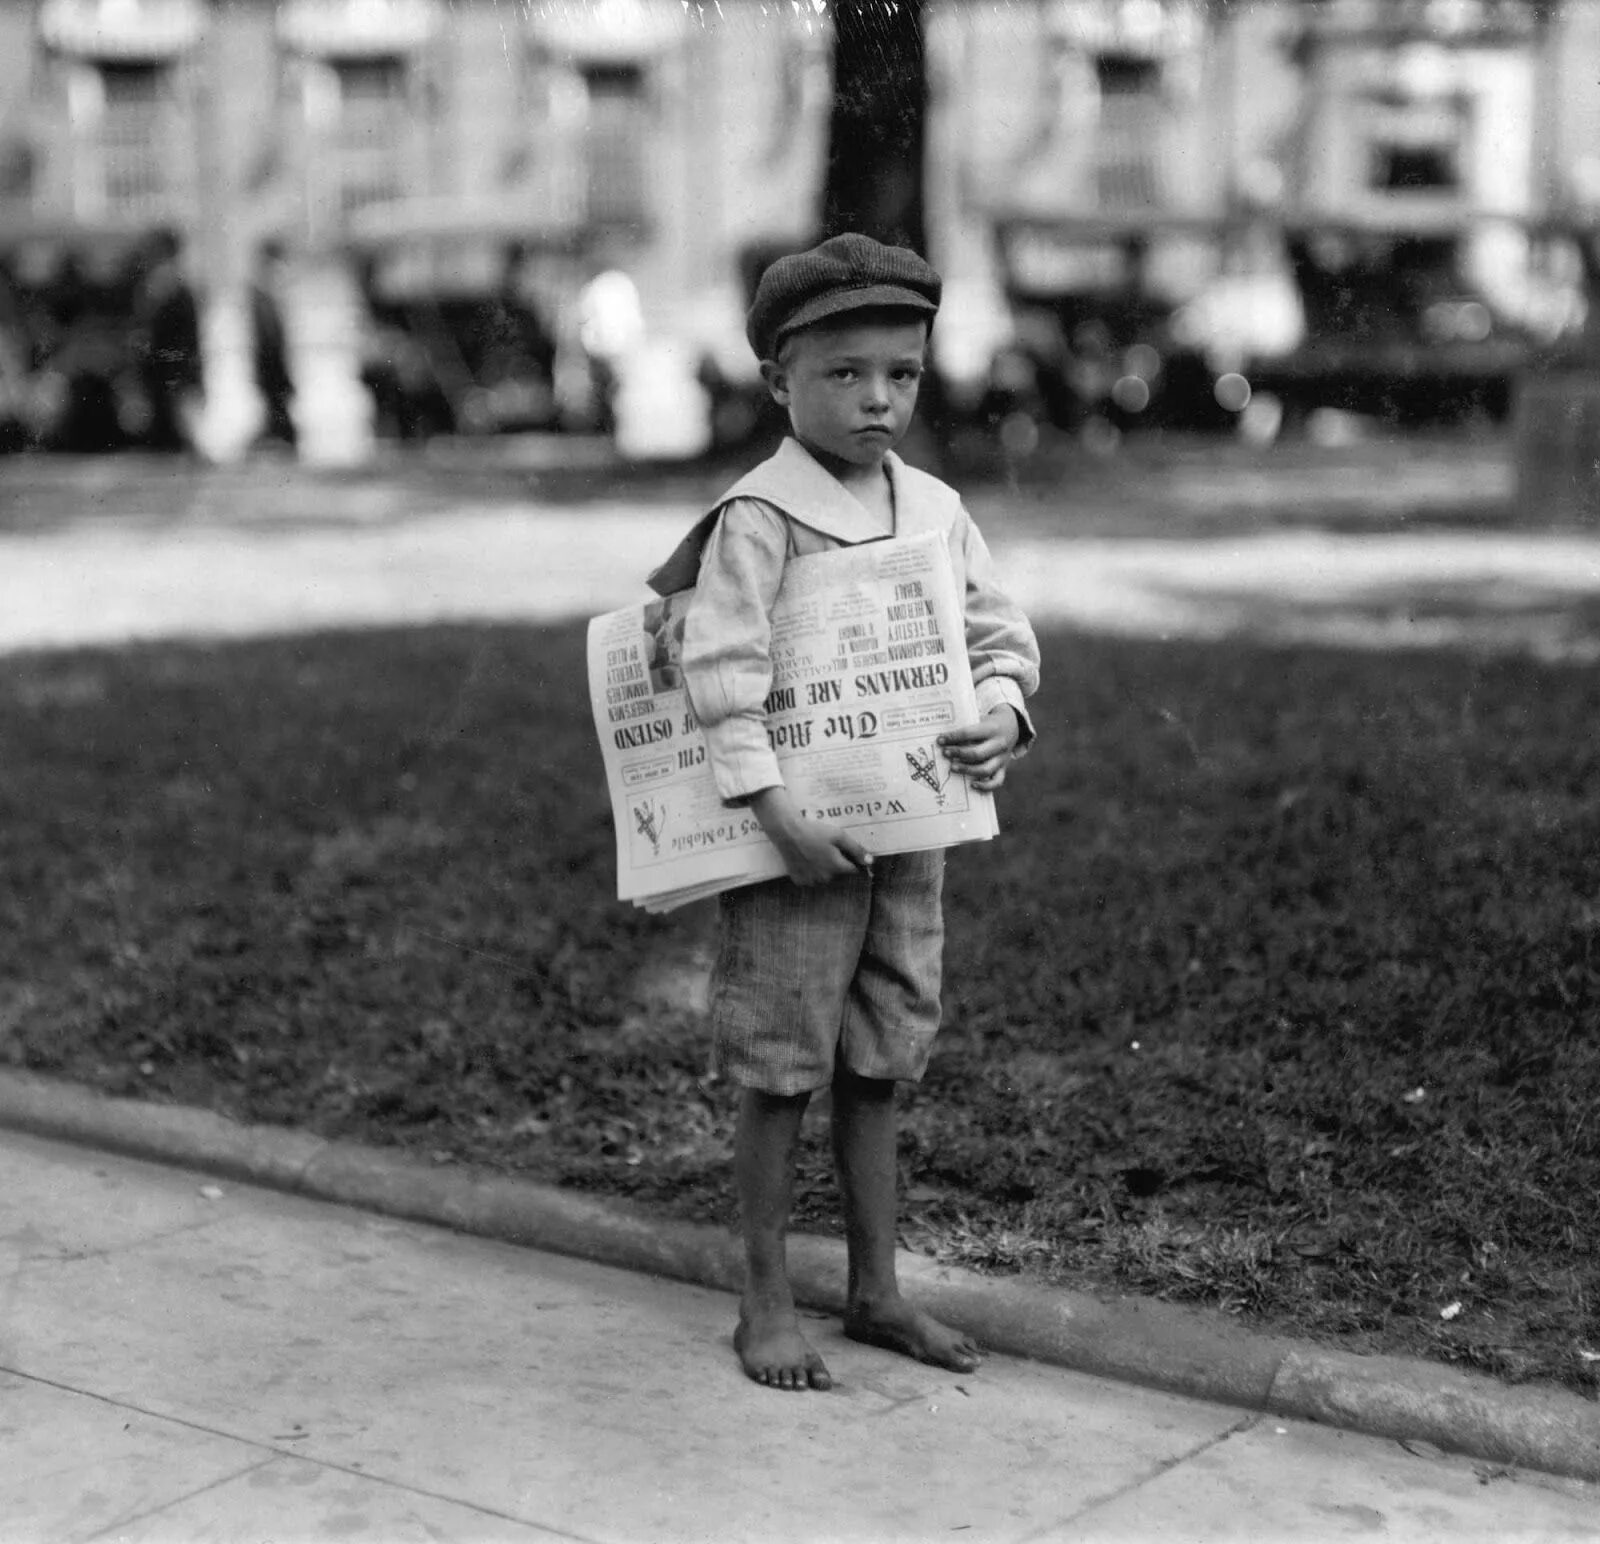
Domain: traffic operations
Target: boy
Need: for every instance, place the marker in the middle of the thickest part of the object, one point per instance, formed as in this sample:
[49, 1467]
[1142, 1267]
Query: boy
[830, 978]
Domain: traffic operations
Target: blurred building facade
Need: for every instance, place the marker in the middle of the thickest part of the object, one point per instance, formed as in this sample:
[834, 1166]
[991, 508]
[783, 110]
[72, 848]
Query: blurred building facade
[671, 140]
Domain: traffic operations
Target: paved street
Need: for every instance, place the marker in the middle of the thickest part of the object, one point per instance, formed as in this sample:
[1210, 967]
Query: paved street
[104, 551]
[182, 1360]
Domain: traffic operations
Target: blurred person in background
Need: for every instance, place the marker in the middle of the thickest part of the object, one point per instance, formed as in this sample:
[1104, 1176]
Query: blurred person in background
[515, 347]
[270, 345]
[610, 330]
[407, 398]
[167, 343]
[89, 398]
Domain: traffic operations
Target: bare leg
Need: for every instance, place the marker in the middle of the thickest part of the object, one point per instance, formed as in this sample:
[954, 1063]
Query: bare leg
[768, 1339]
[864, 1154]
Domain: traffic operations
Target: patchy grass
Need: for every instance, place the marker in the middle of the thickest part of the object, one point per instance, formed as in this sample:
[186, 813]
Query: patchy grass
[1279, 993]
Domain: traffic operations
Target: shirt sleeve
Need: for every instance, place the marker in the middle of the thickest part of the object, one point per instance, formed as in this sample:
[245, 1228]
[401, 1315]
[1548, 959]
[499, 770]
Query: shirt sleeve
[727, 645]
[1001, 646]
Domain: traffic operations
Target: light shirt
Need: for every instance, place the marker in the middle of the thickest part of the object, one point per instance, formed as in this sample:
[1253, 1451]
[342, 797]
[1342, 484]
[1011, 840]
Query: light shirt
[791, 506]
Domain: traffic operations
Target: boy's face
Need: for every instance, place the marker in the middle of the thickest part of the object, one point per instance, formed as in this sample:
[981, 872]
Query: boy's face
[850, 387]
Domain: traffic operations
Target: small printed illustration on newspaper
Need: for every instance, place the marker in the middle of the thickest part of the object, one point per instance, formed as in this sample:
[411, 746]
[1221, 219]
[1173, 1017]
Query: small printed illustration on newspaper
[869, 666]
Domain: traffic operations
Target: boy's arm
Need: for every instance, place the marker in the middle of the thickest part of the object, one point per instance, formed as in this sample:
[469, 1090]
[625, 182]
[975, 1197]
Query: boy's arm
[727, 645]
[813, 851]
[1004, 655]
[1001, 646]
[727, 671]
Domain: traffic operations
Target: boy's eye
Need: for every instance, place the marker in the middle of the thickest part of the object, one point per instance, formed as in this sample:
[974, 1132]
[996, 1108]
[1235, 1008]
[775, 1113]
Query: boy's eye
[844, 373]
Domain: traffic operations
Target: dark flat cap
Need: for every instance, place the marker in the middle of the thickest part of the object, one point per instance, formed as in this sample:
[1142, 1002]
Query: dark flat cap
[844, 273]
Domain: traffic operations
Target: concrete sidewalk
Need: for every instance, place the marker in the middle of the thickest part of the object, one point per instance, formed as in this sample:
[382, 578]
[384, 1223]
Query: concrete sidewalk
[183, 1359]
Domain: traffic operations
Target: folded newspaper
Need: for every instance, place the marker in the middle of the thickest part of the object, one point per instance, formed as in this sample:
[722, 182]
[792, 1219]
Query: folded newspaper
[869, 666]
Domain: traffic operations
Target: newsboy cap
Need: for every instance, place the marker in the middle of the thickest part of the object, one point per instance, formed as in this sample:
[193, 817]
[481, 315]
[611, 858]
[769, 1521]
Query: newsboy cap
[845, 273]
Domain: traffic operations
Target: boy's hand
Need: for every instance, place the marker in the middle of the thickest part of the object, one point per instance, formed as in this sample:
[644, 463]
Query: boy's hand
[982, 751]
[813, 851]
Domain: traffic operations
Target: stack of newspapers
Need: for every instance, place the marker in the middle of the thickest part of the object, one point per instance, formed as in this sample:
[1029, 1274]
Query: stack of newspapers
[869, 663]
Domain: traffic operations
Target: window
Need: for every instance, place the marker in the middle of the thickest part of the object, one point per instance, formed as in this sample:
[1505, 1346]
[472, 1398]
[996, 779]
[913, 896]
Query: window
[616, 138]
[1415, 168]
[370, 136]
[1414, 146]
[1126, 171]
[368, 84]
[131, 146]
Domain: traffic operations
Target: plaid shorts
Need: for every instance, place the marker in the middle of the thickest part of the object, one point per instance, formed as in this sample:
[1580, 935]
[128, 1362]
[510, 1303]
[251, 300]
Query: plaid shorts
[846, 973]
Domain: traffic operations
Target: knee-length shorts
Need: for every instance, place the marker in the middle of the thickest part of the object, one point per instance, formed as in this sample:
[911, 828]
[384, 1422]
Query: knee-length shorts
[841, 974]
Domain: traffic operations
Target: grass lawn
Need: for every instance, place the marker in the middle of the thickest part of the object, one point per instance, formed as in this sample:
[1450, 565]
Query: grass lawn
[1280, 992]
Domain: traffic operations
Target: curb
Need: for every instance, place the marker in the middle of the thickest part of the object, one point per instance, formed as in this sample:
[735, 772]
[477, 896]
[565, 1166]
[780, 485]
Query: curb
[1160, 1345]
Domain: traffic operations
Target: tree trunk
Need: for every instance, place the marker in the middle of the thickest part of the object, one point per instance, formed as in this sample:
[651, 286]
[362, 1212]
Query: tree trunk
[877, 129]
[877, 144]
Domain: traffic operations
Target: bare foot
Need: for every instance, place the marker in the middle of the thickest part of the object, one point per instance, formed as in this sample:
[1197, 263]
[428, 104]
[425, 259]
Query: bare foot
[774, 1352]
[896, 1325]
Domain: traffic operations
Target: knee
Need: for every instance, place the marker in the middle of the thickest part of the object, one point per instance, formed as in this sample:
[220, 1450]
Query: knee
[856, 1089]
[760, 1105]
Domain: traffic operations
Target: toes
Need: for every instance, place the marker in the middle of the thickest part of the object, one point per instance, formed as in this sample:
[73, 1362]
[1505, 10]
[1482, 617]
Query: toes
[786, 1378]
[779, 1358]
[964, 1355]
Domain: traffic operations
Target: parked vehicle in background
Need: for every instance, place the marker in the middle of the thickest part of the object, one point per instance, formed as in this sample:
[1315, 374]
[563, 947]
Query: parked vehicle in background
[463, 323]
[1395, 328]
[1381, 319]
[1096, 342]
[92, 357]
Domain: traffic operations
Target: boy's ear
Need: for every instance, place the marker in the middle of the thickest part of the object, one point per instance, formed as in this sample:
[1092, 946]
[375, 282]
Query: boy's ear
[777, 379]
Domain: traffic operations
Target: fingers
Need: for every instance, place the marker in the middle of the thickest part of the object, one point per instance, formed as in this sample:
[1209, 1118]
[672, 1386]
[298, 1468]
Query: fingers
[972, 742]
[976, 759]
[853, 850]
[985, 769]
[978, 750]
[834, 857]
[974, 746]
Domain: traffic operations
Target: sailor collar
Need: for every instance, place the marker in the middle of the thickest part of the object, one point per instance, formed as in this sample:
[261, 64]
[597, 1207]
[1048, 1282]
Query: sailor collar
[794, 482]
